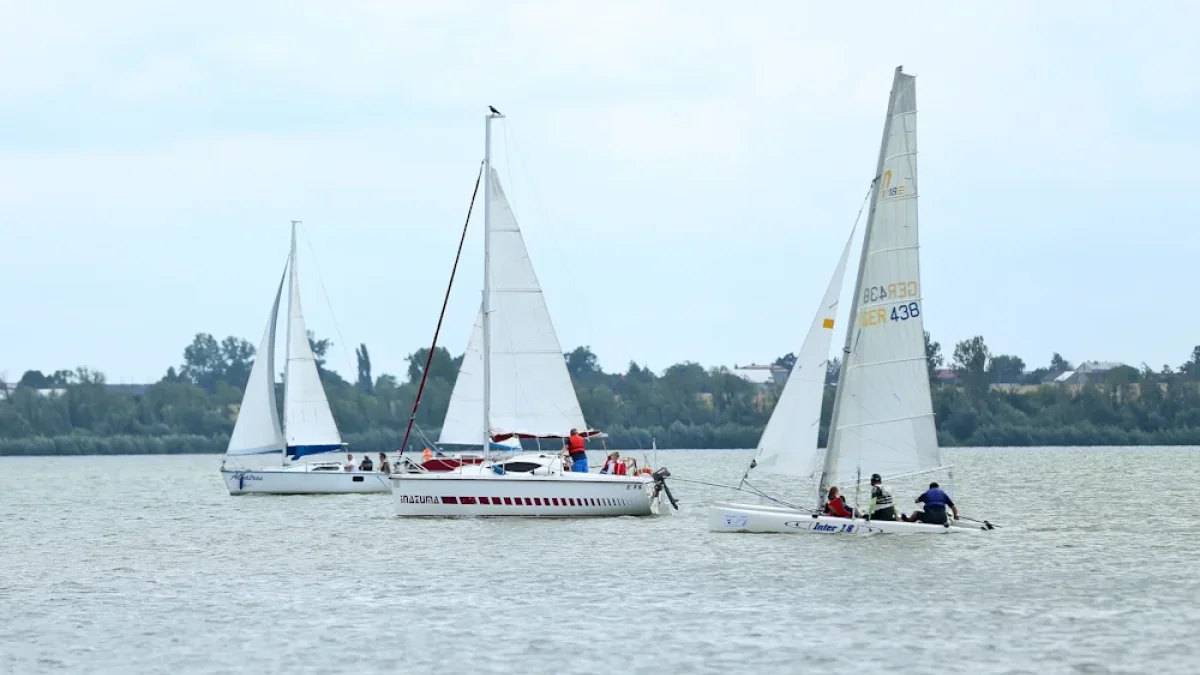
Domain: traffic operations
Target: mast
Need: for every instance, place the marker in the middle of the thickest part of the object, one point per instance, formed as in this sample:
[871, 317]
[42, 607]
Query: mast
[487, 280]
[830, 457]
[288, 350]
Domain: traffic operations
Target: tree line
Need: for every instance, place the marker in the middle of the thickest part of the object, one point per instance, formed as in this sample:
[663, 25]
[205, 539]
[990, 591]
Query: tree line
[979, 398]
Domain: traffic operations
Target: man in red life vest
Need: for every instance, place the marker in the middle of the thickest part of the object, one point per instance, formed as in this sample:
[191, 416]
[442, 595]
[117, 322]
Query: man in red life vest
[836, 505]
[575, 446]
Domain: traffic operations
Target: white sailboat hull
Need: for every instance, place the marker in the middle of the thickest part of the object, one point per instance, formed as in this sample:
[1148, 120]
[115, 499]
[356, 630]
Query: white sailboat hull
[299, 481]
[760, 519]
[524, 495]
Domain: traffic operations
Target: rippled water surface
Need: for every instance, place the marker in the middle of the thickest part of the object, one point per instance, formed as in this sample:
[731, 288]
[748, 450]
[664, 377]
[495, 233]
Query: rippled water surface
[147, 565]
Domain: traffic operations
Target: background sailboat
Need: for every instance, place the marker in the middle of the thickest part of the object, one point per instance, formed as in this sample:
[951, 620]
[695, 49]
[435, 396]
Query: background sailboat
[514, 383]
[303, 455]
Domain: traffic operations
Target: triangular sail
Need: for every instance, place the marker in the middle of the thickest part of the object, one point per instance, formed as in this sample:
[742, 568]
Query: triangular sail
[464, 416]
[884, 418]
[307, 420]
[256, 430]
[531, 390]
[789, 442]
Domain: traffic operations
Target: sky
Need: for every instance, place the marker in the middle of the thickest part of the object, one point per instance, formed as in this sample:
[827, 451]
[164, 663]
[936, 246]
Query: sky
[685, 173]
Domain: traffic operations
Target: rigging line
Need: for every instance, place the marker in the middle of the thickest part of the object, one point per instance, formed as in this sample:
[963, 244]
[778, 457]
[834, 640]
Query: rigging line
[321, 280]
[445, 301]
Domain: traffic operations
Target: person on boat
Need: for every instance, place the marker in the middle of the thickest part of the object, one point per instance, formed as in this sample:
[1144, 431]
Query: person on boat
[576, 447]
[384, 467]
[836, 505]
[349, 463]
[936, 500]
[621, 467]
[883, 507]
[427, 455]
[367, 464]
[611, 462]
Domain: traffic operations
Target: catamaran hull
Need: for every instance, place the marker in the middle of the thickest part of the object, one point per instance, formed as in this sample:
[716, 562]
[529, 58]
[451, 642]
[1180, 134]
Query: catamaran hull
[443, 495]
[758, 519]
[293, 482]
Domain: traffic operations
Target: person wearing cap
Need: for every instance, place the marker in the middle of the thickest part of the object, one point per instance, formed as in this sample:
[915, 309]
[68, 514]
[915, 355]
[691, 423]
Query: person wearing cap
[882, 506]
[936, 500]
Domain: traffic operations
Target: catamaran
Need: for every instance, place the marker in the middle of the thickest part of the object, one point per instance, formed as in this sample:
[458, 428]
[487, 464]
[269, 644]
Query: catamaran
[303, 456]
[514, 384]
[882, 419]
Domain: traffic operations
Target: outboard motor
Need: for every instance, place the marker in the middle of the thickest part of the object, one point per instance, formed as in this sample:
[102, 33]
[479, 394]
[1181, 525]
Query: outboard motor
[660, 485]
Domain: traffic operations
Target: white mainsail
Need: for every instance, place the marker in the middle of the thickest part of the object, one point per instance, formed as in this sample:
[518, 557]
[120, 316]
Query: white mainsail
[883, 419]
[307, 420]
[531, 390]
[789, 442]
[256, 430]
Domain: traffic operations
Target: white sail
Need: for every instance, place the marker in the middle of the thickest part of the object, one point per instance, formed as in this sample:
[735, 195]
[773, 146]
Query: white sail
[256, 430]
[789, 442]
[531, 390]
[884, 418]
[464, 416]
[307, 420]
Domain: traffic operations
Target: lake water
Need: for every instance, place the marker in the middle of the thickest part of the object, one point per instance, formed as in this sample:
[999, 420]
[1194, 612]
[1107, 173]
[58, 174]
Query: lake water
[147, 565]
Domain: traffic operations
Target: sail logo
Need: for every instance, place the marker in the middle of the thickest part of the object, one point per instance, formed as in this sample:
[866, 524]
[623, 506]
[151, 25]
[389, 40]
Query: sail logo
[419, 499]
[888, 189]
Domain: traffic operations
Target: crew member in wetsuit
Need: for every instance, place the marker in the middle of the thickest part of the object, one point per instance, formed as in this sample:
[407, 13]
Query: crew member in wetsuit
[576, 448]
[936, 500]
[882, 507]
[836, 505]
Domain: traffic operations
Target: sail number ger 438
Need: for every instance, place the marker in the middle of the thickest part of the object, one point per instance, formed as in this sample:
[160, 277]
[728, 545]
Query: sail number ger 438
[877, 316]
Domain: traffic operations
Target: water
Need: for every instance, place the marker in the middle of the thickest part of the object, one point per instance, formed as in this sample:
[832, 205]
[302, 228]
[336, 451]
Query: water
[147, 565]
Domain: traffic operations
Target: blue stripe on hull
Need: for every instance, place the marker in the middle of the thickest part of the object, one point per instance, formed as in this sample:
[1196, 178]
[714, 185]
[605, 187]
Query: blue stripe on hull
[295, 451]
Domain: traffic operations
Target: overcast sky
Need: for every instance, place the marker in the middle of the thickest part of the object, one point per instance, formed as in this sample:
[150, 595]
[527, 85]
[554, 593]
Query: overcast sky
[685, 173]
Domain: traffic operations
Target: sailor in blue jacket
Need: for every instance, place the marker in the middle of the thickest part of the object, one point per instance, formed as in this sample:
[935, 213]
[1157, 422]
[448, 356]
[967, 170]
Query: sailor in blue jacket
[936, 500]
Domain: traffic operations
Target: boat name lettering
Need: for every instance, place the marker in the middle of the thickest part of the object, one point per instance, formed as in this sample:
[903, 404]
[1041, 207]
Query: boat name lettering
[634, 486]
[420, 499]
[901, 290]
[242, 475]
[877, 316]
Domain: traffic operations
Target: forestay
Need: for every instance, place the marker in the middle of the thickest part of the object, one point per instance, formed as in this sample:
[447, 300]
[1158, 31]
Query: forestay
[789, 442]
[531, 390]
[256, 430]
[884, 418]
[307, 419]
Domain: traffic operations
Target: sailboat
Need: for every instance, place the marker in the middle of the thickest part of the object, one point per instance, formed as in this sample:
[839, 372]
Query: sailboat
[514, 384]
[295, 458]
[882, 418]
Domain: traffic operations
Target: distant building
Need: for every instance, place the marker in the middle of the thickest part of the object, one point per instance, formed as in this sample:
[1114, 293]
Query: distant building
[1088, 372]
[763, 375]
[947, 377]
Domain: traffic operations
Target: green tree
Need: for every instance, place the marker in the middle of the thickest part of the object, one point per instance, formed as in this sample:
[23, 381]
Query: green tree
[933, 357]
[970, 364]
[1006, 369]
[364, 369]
